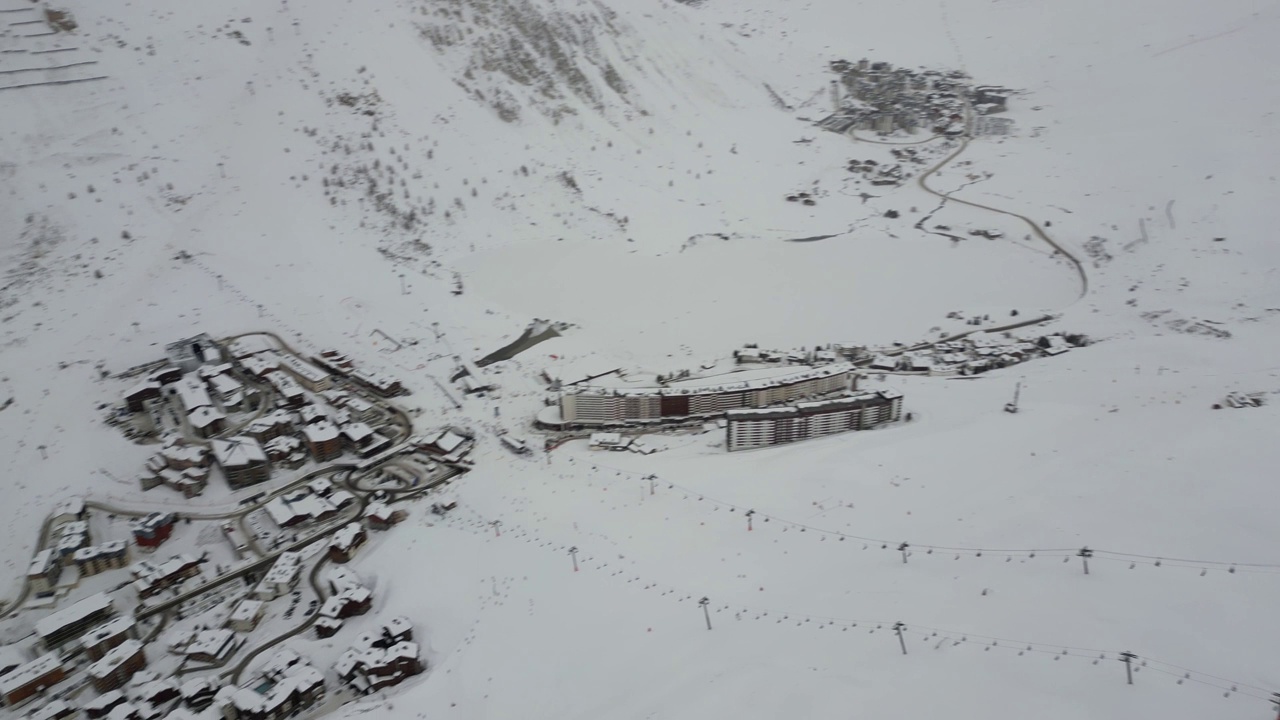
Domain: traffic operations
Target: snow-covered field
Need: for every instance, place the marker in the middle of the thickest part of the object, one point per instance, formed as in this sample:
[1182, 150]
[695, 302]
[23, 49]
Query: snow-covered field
[327, 169]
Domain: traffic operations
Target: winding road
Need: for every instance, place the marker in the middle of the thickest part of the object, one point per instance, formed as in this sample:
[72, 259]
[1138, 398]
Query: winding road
[1039, 232]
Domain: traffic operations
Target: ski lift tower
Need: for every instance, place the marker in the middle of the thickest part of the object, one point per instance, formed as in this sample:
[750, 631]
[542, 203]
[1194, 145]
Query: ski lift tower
[1012, 407]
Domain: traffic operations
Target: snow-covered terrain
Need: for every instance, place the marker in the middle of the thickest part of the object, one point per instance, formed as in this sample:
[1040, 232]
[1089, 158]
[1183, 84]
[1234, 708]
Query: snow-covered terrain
[330, 169]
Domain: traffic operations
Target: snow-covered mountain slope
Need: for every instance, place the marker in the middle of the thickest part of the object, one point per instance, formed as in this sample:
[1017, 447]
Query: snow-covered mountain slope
[326, 169]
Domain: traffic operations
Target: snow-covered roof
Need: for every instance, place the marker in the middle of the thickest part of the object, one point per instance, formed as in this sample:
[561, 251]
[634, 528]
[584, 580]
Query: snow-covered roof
[33, 670]
[275, 418]
[347, 536]
[346, 662]
[239, 451]
[279, 662]
[106, 699]
[225, 385]
[375, 378]
[247, 701]
[107, 630]
[448, 441]
[41, 562]
[192, 392]
[279, 694]
[359, 594]
[149, 573]
[146, 387]
[403, 649]
[145, 677]
[341, 498]
[398, 626]
[208, 372]
[49, 711]
[366, 642]
[760, 413]
[151, 522]
[76, 527]
[259, 365]
[284, 570]
[203, 417]
[341, 578]
[281, 512]
[312, 506]
[358, 404]
[283, 444]
[332, 623]
[70, 543]
[357, 431]
[987, 339]
[196, 686]
[306, 676]
[179, 454]
[247, 610]
[213, 643]
[285, 385]
[322, 431]
[114, 658]
[332, 607]
[719, 383]
[96, 603]
[302, 368]
[147, 684]
[243, 347]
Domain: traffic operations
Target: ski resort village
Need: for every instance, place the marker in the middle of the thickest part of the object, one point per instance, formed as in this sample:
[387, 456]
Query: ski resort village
[664, 360]
[161, 612]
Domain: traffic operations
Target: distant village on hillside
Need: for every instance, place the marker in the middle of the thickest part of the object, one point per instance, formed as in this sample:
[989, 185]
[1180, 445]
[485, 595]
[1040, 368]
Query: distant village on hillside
[877, 97]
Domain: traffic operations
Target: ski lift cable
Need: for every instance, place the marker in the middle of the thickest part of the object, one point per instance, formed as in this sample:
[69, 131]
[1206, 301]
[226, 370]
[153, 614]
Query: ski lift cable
[1053, 552]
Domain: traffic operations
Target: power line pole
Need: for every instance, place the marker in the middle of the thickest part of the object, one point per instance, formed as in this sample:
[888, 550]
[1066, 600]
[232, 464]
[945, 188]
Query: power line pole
[899, 627]
[652, 480]
[903, 549]
[705, 602]
[749, 514]
[573, 553]
[1085, 553]
[1127, 658]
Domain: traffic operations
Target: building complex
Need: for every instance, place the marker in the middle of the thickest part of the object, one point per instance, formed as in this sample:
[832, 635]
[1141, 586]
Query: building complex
[760, 427]
[588, 406]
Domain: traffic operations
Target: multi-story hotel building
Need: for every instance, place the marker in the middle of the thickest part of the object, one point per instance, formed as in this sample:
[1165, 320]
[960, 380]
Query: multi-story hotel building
[594, 406]
[760, 427]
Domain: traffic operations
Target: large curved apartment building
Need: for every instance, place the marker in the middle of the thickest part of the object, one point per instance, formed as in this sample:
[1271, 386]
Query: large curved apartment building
[753, 428]
[597, 406]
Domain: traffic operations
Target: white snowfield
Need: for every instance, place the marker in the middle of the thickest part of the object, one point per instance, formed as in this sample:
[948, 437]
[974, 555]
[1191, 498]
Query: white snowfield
[335, 171]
